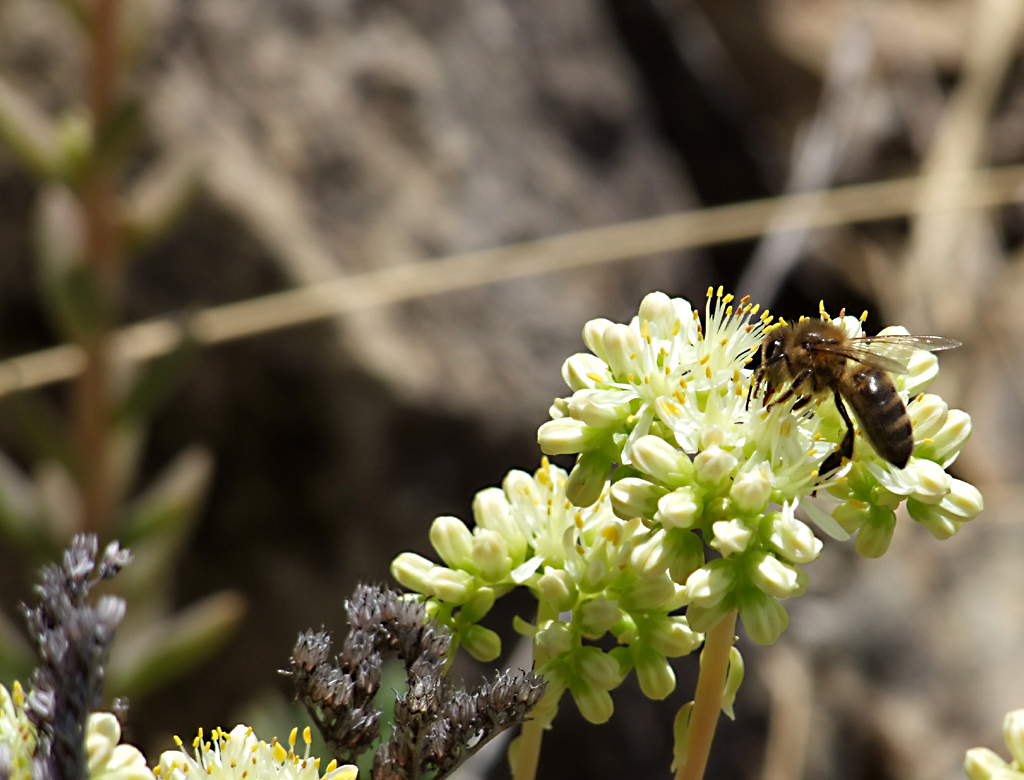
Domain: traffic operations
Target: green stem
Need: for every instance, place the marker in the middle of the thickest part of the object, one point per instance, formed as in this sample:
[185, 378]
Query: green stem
[707, 703]
[528, 745]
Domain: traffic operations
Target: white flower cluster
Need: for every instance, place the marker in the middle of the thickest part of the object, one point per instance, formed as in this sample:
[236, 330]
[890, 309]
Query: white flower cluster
[108, 759]
[239, 755]
[984, 764]
[699, 469]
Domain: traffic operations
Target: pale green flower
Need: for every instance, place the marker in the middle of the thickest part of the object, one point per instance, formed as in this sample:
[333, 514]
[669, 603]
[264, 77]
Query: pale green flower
[984, 764]
[16, 732]
[109, 760]
[239, 755]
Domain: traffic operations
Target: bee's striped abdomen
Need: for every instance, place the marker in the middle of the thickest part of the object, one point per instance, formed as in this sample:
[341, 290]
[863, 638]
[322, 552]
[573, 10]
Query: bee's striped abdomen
[882, 414]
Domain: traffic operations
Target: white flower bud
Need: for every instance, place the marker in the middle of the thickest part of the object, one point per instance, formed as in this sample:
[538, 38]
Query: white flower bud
[453, 542]
[1013, 732]
[594, 578]
[653, 672]
[558, 588]
[598, 668]
[490, 555]
[964, 501]
[102, 735]
[657, 309]
[774, 577]
[921, 372]
[621, 346]
[601, 408]
[491, 510]
[711, 583]
[731, 537]
[874, 536]
[587, 479]
[671, 636]
[593, 336]
[667, 465]
[733, 681]
[554, 639]
[947, 443]
[983, 764]
[679, 509]
[928, 414]
[449, 585]
[583, 370]
[566, 437]
[793, 540]
[481, 643]
[685, 553]
[649, 558]
[594, 705]
[763, 617]
[412, 571]
[939, 522]
[559, 409]
[597, 616]
[634, 497]
[714, 465]
[932, 482]
[751, 490]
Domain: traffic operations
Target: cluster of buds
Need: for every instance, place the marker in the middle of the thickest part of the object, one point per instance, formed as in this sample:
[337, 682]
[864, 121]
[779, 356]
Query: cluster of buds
[684, 493]
[984, 764]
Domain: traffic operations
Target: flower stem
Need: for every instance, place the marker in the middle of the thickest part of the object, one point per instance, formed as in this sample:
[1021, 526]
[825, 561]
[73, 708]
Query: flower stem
[707, 703]
[527, 753]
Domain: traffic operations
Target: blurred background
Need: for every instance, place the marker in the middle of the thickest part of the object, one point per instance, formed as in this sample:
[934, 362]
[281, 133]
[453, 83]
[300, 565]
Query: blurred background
[230, 150]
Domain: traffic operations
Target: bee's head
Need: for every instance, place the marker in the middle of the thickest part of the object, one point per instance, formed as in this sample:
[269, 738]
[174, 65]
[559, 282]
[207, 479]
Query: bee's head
[773, 348]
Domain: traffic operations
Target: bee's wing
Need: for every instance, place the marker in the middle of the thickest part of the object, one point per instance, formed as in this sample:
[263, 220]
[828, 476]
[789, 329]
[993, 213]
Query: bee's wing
[890, 353]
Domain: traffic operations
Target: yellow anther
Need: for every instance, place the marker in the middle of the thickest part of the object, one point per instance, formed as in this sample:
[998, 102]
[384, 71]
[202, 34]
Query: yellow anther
[864, 316]
[332, 766]
[611, 533]
[728, 311]
[280, 754]
[858, 504]
[629, 378]
[676, 328]
[719, 292]
[293, 736]
[723, 342]
[707, 370]
[735, 375]
[595, 377]
[157, 771]
[814, 474]
[633, 356]
[578, 521]
[579, 549]
[711, 291]
[705, 359]
[644, 329]
[682, 383]
[178, 742]
[756, 309]
[926, 441]
[728, 298]
[842, 312]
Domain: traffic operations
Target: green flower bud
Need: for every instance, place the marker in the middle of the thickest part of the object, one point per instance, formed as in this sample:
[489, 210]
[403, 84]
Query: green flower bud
[594, 705]
[593, 336]
[449, 585]
[751, 490]
[939, 522]
[649, 557]
[554, 639]
[660, 592]
[1013, 731]
[679, 509]
[621, 346]
[453, 542]
[598, 668]
[928, 415]
[601, 408]
[851, 515]
[583, 371]
[964, 501]
[714, 465]
[634, 497]
[704, 619]
[558, 588]
[588, 477]
[411, 571]
[933, 483]
[983, 764]
[774, 577]
[490, 555]
[491, 510]
[667, 465]
[567, 436]
[478, 606]
[481, 643]
[707, 586]
[763, 617]
[874, 536]
[670, 635]
[733, 681]
[731, 537]
[792, 540]
[681, 736]
[653, 672]
[685, 553]
[559, 409]
[597, 616]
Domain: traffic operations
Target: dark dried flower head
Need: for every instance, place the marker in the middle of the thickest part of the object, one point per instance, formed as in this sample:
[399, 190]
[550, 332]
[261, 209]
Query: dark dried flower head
[437, 725]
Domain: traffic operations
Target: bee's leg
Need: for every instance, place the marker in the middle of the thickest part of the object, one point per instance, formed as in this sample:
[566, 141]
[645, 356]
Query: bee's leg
[845, 448]
[791, 390]
[803, 402]
[755, 384]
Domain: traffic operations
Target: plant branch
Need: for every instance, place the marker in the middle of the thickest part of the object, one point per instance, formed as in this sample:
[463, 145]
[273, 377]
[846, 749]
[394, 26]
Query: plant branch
[708, 700]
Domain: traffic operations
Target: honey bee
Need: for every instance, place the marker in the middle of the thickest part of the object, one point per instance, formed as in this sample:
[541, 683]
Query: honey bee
[818, 358]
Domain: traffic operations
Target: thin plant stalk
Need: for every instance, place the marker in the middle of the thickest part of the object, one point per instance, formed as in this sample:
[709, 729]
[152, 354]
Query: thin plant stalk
[527, 754]
[707, 703]
[92, 404]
